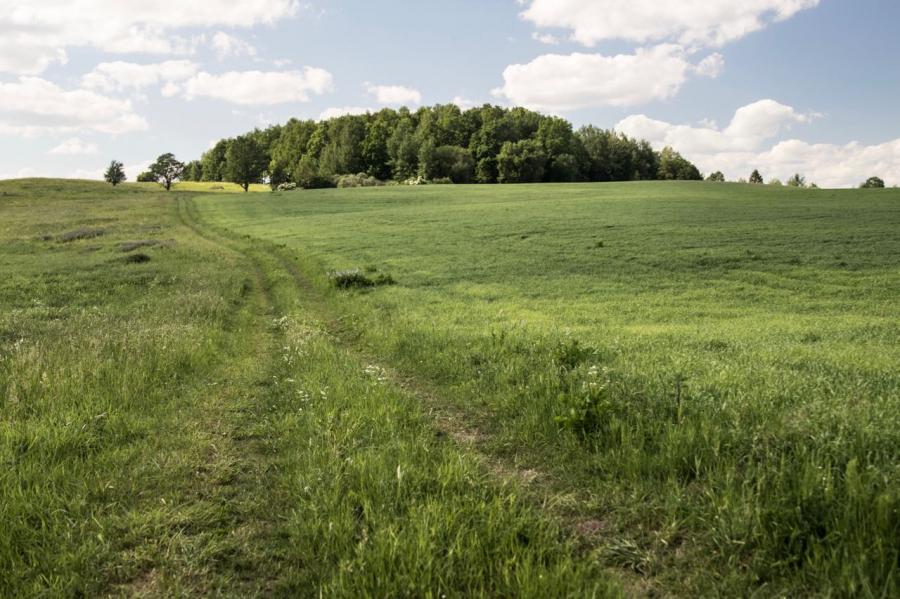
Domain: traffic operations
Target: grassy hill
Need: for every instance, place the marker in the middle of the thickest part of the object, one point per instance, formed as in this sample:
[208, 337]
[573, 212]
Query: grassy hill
[568, 390]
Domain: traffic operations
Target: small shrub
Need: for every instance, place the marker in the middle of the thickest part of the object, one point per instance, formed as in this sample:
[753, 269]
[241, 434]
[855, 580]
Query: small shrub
[442, 181]
[137, 259]
[358, 180]
[356, 279]
[570, 353]
[286, 187]
[385, 279]
[587, 409]
[350, 279]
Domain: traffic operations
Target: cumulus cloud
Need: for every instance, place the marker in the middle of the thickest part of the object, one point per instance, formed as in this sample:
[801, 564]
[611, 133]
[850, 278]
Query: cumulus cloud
[711, 66]
[131, 171]
[260, 88]
[545, 38]
[226, 45]
[688, 22]
[463, 103]
[119, 76]
[394, 94]
[74, 146]
[22, 173]
[750, 142]
[37, 34]
[33, 106]
[330, 113]
[564, 82]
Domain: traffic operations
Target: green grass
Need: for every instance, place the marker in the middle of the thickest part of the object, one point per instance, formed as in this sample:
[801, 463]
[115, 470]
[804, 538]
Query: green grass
[186, 424]
[708, 374]
[206, 187]
[667, 388]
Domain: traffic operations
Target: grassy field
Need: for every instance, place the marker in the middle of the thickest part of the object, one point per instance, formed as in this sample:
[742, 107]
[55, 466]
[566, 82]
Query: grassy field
[205, 187]
[708, 376]
[176, 420]
[570, 390]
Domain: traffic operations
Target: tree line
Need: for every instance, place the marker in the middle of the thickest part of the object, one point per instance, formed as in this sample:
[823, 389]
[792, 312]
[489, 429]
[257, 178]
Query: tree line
[442, 143]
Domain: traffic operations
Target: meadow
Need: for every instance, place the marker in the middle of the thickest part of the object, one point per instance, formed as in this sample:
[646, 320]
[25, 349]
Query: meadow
[555, 390]
[702, 376]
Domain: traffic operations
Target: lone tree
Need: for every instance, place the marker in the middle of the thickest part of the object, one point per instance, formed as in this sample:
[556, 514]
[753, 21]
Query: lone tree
[245, 161]
[716, 177]
[873, 183]
[167, 170]
[115, 174]
[756, 178]
[797, 180]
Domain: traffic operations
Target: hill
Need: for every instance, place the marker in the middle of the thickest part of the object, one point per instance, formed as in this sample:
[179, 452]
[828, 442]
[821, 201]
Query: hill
[544, 390]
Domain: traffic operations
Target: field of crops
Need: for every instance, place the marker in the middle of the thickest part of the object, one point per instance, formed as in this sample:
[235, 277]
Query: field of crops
[543, 390]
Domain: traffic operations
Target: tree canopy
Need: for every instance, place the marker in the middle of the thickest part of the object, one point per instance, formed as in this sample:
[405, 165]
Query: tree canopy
[873, 183]
[166, 170]
[115, 174]
[489, 144]
[245, 161]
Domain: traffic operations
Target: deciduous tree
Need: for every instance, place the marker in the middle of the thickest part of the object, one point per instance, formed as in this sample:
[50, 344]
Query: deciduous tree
[115, 174]
[166, 170]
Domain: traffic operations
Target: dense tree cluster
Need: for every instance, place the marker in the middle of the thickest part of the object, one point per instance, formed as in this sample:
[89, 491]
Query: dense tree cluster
[873, 183]
[489, 144]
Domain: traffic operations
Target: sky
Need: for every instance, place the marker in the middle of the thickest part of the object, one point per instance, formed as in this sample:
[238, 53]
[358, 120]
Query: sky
[783, 86]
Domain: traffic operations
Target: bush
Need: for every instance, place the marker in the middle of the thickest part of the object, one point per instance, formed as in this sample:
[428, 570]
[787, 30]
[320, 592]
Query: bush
[350, 279]
[355, 279]
[286, 187]
[358, 180]
[146, 177]
[873, 183]
[442, 181]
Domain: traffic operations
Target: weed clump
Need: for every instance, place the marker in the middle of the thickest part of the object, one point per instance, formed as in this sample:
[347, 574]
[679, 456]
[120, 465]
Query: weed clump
[570, 353]
[356, 279]
[82, 233]
[137, 259]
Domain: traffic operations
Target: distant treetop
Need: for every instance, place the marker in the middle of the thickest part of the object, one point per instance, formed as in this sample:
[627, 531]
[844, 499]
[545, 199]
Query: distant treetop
[489, 144]
[873, 183]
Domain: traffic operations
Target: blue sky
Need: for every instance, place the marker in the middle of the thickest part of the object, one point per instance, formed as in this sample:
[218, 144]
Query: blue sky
[785, 86]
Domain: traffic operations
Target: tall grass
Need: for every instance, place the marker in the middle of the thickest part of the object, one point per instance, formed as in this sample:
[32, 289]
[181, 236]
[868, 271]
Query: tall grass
[716, 382]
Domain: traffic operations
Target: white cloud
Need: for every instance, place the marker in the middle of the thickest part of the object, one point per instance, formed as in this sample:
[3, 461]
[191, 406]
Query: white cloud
[330, 113]
[19, 55]
[74, 146]
[120, 76]
[564, 82]
[22, 173]
[36, 34]
[131, 171]
[688, 22]
[463, 103]
[749, 142]
[711, 66]
[394, 94]
[226, 45]
[34, 106]
[260, 88]
[545, 38]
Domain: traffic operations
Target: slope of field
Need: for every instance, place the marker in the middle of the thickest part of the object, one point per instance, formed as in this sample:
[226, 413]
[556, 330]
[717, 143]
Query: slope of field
[176, 420]
[702, 378]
